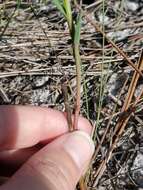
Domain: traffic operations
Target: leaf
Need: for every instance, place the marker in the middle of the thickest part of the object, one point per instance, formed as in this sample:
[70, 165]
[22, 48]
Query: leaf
[77, 29]
[67, 7]
[60, 6]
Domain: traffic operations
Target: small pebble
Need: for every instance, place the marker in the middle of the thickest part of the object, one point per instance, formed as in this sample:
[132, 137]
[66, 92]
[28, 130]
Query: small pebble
[104, 19]
[130, 5]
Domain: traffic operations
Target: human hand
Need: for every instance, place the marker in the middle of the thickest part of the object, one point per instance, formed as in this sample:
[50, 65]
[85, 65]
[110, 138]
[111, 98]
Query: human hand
[36, 140]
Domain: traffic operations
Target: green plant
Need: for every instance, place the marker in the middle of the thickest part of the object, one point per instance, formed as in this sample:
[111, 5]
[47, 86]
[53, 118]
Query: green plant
[74, 25]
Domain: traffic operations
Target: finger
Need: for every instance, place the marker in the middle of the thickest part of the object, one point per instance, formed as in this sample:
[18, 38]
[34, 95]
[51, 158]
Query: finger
[23, 126]
[17, 156]
[10, 161]
[57, 166]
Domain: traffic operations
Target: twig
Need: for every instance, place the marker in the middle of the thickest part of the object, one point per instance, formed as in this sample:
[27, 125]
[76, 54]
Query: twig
[8, 22]
[4, 95]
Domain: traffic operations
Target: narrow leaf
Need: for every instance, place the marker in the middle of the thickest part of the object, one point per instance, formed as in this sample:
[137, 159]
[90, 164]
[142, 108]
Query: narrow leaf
[77, 29]
[67, 7]
[60, 6]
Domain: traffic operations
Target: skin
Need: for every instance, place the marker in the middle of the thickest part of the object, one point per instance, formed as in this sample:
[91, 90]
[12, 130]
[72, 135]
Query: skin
[38, 152]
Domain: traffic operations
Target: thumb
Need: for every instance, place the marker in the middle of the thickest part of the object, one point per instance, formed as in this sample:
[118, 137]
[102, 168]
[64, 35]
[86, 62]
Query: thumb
[58, 166]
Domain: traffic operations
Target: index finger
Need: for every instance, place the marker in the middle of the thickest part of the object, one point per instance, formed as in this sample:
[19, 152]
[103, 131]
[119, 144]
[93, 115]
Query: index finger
[25, 126]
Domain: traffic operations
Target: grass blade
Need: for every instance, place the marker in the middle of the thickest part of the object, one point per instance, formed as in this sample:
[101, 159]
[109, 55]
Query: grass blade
[77, 29]
[67, 7]
[60, 7]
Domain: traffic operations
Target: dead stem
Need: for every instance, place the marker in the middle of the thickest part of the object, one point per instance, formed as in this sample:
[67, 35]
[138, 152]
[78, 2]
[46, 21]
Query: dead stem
[78, 82]
[67, 107]
[82, 184]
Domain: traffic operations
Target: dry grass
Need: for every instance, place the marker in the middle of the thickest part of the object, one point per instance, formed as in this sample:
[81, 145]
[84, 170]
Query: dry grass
[36, 56]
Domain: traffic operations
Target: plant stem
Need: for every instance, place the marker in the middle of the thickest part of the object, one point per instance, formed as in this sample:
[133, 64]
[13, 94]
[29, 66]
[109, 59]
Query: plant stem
[82, 184]
[67, 106]
[78, 83]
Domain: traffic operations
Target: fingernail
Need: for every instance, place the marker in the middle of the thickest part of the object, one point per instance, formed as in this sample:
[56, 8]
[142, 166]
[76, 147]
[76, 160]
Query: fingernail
[80, 147]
